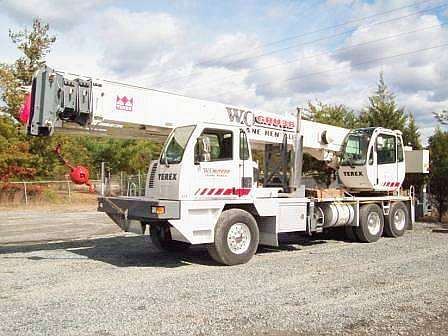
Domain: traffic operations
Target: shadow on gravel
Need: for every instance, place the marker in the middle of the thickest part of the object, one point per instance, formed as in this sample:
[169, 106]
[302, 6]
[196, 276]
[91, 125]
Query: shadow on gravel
[138, 251]
[125, 251]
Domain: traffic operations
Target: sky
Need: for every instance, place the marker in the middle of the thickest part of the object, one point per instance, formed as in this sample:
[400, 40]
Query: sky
[266, 55]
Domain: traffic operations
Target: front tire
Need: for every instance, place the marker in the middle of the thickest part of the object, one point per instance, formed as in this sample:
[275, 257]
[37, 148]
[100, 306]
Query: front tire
[161, 238]
[371, 223]
[398, 220]
[236, 238]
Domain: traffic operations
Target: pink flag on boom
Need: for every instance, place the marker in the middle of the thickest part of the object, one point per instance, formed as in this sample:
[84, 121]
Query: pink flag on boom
[25, 112]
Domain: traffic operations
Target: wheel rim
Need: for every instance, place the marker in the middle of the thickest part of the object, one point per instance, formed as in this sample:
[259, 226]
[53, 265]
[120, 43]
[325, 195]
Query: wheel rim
[373, 223]
[399, 219]
[238, 238]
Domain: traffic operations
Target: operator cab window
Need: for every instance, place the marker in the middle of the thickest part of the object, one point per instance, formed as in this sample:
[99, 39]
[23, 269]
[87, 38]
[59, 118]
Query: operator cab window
[355, 149]
[386, 148]
[219, 143]
[400, 156]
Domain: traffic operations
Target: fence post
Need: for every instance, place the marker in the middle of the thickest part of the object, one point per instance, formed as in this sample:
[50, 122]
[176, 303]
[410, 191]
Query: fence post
[102, 177]
[26, 196]
[69, 191]
[139, 184]
[121, 183]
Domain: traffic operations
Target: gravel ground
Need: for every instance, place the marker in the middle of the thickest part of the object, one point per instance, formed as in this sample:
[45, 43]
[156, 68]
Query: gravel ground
[43, 225]
[120, 285]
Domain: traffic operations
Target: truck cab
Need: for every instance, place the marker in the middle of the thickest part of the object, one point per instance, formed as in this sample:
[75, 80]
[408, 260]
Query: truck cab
[203, 161]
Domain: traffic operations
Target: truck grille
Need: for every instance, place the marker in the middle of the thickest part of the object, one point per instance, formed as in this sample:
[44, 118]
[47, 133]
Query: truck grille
[152, 175]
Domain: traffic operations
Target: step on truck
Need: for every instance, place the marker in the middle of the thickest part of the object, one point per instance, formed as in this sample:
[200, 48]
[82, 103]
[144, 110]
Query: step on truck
[207, 188]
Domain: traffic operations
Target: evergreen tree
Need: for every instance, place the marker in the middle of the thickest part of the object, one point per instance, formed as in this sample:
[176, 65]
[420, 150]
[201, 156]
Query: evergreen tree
[438, 146]
[383, 110]
[411, 135]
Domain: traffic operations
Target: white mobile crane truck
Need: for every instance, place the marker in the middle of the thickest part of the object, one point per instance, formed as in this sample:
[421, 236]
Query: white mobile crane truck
[204, 188]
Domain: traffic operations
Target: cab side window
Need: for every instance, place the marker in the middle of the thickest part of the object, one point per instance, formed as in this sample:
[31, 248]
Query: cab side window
[220, 142]
[244, 147]
[386, 148]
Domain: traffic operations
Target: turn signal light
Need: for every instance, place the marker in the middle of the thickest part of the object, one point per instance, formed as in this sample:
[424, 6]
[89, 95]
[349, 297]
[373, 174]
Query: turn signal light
[158, 210]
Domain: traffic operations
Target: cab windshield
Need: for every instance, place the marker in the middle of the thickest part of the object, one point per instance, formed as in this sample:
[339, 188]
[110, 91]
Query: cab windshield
[356, 147]
[174, 148]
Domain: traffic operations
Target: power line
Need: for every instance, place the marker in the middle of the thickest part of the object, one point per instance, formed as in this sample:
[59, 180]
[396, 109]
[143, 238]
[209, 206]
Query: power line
[415, 4]
[333, 52]
[293, 37]
[328, 37]
[338, 69]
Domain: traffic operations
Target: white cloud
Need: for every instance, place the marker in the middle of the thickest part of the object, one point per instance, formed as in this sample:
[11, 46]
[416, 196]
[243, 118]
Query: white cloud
[134, 40]
[60, 14]
[233, 51]
[394, 38]
[425, 134]
[341, 2]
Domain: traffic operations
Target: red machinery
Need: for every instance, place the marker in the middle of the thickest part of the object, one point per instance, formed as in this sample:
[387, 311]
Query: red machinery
[78, 174]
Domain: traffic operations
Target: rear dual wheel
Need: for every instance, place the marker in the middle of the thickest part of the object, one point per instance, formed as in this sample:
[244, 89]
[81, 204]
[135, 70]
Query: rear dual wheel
[397, 221]
[371, 225]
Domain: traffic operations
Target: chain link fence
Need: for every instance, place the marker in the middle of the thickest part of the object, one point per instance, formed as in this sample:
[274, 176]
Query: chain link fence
[62, 191]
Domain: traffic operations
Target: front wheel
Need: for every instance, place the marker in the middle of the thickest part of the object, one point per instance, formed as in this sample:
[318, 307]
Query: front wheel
[161, 238]
[397, 221]
[236, 238]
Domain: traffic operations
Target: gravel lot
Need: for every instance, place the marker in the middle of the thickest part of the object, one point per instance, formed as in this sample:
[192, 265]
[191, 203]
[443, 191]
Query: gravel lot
[118, 284]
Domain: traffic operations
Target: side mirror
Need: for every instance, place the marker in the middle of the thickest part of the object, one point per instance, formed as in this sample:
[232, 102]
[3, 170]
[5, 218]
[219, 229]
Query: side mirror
[202, 150]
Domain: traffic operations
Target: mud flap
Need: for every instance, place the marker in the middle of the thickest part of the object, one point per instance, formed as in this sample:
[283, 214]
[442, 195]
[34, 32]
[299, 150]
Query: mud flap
[268, 231]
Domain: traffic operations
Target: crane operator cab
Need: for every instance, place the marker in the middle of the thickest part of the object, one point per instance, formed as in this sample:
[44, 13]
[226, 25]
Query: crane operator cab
[372, 159]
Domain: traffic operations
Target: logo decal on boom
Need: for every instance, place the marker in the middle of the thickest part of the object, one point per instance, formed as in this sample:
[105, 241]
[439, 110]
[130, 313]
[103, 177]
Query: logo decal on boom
[250, 119]
[124, 103]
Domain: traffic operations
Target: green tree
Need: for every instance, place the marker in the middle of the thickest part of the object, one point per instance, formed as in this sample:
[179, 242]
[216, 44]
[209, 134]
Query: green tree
[383, 110]
[121, 155]
[438, 146]
[14, 152]
[34, 44]
[336, 115]
[411, 135]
